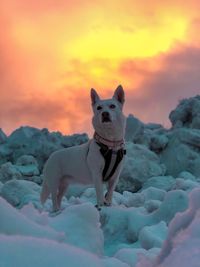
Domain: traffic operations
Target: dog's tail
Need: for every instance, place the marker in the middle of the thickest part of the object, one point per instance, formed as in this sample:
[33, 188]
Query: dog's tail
[45, 192]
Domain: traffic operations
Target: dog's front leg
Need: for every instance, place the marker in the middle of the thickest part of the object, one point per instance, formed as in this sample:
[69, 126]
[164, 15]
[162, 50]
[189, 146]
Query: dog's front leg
[96, 163]
[97, 178]
[110, 189]
[112, 185]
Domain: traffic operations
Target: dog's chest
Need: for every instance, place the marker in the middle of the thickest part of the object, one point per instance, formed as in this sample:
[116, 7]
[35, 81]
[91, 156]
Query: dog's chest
[112, 159]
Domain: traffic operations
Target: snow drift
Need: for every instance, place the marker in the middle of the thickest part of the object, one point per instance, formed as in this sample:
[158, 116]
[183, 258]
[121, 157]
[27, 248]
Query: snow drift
[155, 217]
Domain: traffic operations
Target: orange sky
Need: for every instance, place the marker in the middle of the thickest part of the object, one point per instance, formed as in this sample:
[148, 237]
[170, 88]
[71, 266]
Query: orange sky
[53, 52]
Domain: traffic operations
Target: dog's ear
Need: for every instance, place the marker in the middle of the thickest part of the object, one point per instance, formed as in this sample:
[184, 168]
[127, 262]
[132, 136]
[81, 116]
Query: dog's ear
[94, 96]
[119, 94]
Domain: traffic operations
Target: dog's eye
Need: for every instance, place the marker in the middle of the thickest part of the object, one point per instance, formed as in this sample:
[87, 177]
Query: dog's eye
[112, 106]
[99, 108]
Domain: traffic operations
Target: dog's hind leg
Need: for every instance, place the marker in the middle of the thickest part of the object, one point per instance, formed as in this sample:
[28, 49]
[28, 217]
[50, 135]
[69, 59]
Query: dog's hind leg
[45, 192]
[53, 184]
[54, 200]
[61, 190]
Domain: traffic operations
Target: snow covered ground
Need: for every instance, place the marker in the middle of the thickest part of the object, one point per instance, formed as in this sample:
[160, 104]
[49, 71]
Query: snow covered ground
[153, 222]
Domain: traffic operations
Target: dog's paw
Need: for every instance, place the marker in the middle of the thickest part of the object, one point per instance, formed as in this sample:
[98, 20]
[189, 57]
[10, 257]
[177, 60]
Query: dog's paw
[107, 200]
[55, 213]
[98, 207]
[107, 204]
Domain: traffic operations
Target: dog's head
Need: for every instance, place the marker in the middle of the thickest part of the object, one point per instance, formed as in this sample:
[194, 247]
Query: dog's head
[107, 112]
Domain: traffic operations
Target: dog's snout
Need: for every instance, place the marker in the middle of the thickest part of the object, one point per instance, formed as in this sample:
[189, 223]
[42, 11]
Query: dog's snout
[105, 114]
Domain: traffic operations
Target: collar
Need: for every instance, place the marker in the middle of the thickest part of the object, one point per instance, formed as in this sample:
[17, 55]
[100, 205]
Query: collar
[111, 144]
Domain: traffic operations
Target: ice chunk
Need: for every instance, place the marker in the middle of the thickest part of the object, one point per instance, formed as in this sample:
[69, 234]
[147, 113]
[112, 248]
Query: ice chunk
[21, 192]
[161, 182]
[81, 226]
[8, 172]
[153, 236]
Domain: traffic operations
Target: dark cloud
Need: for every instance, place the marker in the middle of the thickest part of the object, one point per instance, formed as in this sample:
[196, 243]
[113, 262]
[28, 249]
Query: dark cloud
[178, 78]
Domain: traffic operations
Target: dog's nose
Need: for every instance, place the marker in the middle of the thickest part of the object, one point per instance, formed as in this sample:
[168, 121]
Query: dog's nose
[105, 114]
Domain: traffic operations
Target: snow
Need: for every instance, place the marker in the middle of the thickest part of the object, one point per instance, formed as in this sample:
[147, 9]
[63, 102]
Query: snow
[3, 137]
[152, 205]
[159, 142]
[81, 226]
[1, 185]
[152, 193]
[187, 113]
[140, 165]
[27, 165]
[113, 262]
[31, 252]
[134, 129]
[161, 182]
[132, 255]
[186, 185]
[175, 201]
[38, 143]
[26, 160]
[8, 171]
[155, 217]
[133, 200]
[21, 192]
[182, 245]
[182, 152]
[15, 223]
[153, 236]
[187, 176]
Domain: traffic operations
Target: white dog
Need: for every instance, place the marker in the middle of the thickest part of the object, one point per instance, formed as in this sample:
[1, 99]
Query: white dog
[97, 161]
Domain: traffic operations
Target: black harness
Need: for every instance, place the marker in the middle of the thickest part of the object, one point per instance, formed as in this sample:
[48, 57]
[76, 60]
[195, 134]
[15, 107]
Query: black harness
[111, 156]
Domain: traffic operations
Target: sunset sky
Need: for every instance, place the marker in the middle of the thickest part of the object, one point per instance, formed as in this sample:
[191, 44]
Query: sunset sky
[52, 53]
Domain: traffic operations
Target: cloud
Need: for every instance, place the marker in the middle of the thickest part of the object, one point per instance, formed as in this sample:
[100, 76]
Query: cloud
[46, 67]
[54, 114]
[153, 88]
[161, 90]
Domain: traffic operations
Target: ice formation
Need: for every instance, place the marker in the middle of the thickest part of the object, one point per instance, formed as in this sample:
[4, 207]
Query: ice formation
[155, 217]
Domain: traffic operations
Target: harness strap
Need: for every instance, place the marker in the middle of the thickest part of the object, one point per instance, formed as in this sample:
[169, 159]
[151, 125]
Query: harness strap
[120, 155]
[108, 154]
